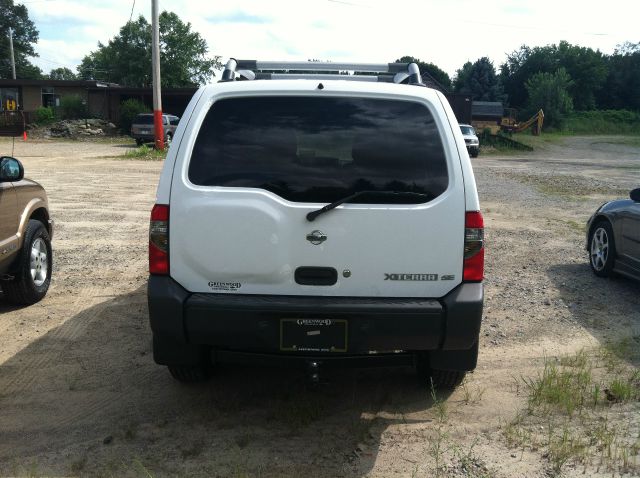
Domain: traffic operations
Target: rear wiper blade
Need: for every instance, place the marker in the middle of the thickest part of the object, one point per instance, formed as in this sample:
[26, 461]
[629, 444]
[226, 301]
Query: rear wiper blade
[313, 214]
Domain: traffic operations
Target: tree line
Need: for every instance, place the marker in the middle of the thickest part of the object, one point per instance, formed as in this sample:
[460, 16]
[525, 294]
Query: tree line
[557, 78]
[125, 59]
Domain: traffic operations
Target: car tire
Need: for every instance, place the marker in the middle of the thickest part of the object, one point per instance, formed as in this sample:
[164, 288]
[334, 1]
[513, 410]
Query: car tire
[475, 153]
[602, 249]
[34, 264]
[139, 142]
[441, 379]
[168, 139]
[446, 379]
[189, 373]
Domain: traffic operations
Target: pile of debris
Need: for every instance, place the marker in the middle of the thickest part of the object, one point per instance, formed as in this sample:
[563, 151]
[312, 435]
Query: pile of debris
[74, 129]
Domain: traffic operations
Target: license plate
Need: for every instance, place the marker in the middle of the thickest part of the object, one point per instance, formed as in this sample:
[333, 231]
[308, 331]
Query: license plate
[313, 335]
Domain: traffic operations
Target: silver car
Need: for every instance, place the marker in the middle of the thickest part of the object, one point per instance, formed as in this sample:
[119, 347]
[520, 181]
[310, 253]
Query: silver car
[470, 140]
[613, 237]
[142, 128]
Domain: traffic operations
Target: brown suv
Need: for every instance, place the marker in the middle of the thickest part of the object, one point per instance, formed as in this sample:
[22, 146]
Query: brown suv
[25, 235]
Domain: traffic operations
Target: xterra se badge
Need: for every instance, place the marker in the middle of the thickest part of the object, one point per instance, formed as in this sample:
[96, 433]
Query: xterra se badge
[411, 277]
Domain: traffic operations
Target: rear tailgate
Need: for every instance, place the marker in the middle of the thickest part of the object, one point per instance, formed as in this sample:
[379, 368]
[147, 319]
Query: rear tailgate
[238, 207]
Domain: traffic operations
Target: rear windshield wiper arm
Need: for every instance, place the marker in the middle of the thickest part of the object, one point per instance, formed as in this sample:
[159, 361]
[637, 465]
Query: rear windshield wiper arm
[313, 214]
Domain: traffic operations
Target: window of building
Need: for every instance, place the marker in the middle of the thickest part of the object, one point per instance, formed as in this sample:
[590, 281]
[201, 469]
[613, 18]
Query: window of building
[49, 98]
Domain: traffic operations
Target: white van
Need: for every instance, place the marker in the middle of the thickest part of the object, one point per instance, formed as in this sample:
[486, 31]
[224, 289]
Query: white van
[317, 219]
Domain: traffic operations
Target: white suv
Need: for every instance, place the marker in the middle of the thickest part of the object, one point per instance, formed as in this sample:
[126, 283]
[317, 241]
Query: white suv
[308, 218]
[470, 139]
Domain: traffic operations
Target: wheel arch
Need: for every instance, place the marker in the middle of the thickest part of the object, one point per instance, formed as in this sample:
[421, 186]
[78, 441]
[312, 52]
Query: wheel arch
[41, 214]
[35, 209]
[597, 220]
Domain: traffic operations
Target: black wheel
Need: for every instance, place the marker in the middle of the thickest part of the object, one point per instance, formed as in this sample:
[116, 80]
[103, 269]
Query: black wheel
[189, 373]
[33, 273]
[441, 379]
[602, 249]
[168, 139]
[474, 153]
[139, 142]
[446, 379]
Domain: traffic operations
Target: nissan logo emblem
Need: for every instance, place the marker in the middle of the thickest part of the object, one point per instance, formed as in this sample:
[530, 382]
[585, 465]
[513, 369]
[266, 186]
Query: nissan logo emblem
[316, 237]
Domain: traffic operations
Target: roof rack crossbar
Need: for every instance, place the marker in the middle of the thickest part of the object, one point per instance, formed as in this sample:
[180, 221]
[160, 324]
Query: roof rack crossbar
[253, 69]
[321, 66]
[312, 76]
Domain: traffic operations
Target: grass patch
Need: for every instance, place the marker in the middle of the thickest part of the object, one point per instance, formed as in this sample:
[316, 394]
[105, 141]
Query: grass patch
[565, 186]
[566, 388]
[470, 394]
[603, 122]
[576, 226]
[492, 144]
[146, 153]
[579, 410]
[539, 141]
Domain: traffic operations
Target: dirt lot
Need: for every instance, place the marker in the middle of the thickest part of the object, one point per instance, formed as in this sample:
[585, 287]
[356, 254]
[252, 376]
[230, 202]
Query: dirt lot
[80, 394]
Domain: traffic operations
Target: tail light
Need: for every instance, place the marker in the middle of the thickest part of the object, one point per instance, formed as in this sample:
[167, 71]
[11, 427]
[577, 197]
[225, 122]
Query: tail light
[159, 240]
[473, 268]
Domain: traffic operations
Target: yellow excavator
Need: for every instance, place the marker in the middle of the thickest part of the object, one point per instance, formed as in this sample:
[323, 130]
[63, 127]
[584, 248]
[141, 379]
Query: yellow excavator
[510, 125]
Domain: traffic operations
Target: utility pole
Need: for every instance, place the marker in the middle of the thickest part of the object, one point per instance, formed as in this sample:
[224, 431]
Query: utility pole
[13, 61]
[155, 62]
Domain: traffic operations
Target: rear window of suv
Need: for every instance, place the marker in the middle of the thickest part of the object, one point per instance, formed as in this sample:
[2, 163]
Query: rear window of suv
[143, 119]
[308, 149]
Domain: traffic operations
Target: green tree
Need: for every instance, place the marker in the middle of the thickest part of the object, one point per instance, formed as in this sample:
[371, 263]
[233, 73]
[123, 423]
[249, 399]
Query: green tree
[480, 80]
[550, 92]
[62, 74]
[129, 109]
[436, 73]
[126, 59]
[620, 90]
[627, 48]
[25, 35]
[72, 107]
[586, 67]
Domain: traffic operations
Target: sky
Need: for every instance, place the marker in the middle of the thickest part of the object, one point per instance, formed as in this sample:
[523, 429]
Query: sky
[445, 32]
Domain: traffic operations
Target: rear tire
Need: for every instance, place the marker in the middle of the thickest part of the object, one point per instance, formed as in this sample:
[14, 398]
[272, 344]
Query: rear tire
[139, 142]
[441, 379]
[475, 153]
[189, 373]
[33, 267]
[446, 379]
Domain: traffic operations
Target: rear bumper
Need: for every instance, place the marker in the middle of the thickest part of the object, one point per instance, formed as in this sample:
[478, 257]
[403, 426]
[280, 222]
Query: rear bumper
[251, 323]
[144, 137]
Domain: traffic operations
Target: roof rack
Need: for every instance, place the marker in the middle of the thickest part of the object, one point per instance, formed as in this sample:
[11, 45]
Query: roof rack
[277, 70]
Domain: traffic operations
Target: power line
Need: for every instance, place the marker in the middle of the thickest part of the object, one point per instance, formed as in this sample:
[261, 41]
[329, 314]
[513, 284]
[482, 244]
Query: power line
[132, 7]
[51, 61]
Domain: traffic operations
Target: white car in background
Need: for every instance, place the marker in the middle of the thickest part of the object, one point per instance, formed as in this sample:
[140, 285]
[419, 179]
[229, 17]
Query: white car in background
[470, 140]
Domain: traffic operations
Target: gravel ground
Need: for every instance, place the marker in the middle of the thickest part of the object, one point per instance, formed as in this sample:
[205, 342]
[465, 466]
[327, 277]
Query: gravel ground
[80, 394]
